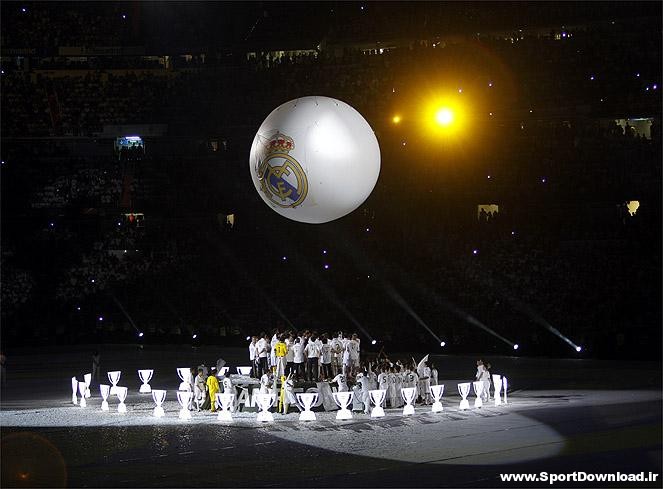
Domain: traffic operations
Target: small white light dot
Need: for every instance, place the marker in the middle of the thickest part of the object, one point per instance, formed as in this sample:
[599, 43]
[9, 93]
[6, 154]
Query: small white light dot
[78, 308]
[543, 180]
[637, 75]
[373, 342]
[655, 87]
[474, 252]
[368, 230]
[101, 318]
[515, 347]
[284, 258]
[443, 343]
[591, 77]
[488, 177]
[490, 84]
[578, 348]
[324, 252]
[140, 334]
[513, 233]
[530, 111]
[326, 267]
[92, 280]
[460, 90]
[195, 336]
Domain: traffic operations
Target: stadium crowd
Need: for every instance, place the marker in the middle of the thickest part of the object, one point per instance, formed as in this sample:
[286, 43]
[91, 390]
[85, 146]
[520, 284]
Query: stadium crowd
[563, 250]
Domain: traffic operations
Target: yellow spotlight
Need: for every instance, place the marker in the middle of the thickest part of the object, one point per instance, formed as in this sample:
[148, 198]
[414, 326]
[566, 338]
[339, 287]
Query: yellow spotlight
[444, 116]
[396, 119]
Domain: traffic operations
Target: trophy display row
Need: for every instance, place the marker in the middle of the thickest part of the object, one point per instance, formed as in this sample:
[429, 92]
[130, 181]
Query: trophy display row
[265, 401]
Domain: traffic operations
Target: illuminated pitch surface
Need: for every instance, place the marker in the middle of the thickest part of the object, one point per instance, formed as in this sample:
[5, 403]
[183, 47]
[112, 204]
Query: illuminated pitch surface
[552, 430]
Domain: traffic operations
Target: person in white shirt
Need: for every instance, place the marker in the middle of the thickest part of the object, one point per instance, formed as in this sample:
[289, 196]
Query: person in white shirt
[342, 383]
[365, 396]
[298, 358]
[383, 383]
[351, 356]
[318, 342]
[483, 374]
[262, 349]
[433, 374]
[272, 344]
[290, 356]
[337, 355]
[326, 359]
[312, 353]
[252, 356]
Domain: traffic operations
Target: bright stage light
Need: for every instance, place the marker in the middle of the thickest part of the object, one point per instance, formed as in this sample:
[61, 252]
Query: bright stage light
[396, 119]
[373, 342]
[248, 338]
[195, 336]
[140, 335]
[444, 116]
[443, 343]
[578, 349]
[515, 347]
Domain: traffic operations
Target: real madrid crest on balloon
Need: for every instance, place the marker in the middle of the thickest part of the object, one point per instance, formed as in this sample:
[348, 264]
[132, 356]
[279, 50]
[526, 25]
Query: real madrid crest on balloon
[314, 159]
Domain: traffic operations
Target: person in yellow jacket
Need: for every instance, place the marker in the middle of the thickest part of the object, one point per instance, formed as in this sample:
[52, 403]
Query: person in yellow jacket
[280, 351]
[212, 388]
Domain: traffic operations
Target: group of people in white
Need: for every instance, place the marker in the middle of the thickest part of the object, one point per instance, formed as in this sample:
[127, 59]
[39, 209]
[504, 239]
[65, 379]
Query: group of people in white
[308, 356]
[305, 356]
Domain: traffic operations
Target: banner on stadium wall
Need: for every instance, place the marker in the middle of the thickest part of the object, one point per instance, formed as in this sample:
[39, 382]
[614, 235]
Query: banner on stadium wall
[142, 130]
[101, 50]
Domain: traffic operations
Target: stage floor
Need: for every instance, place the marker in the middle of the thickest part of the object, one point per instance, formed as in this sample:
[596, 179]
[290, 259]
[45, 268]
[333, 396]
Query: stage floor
[558, 429]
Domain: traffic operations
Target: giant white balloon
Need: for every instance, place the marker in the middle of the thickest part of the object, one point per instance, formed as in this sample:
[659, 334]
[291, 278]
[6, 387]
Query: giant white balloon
[314, 159]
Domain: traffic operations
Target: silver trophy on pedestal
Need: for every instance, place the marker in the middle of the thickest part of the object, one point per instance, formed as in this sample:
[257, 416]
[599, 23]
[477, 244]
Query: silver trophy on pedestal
[159, 397]
[184, 373]
[74, 390]
[88, 380]
[183, 397]
[497, 382]
[265, 402]
[377, 397]
[224, 401]
[478, 391]
[307, 400]
[408, 394]
[104, 390]
[244, 370]
[122, 395]
[343, 400]
[114, 378]
[145, 376]
[81, 388]
[464, 390]
[437, 391]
